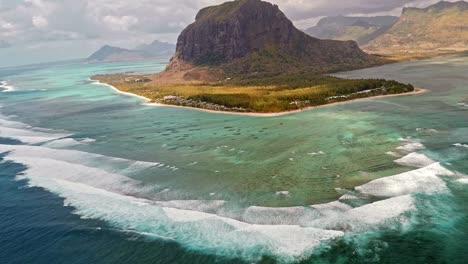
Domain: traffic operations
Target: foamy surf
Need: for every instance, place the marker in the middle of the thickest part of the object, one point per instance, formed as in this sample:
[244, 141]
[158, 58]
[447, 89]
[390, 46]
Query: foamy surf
[74, 157]
[26, 133]
[198, 230]
[29, 136]
[415, 160]
[370, 216]
[289, 234]
[98, 187]
[62, 143]
[6, 87]
[218, 234]
[423, 180]
[460, 145]
[410, 145]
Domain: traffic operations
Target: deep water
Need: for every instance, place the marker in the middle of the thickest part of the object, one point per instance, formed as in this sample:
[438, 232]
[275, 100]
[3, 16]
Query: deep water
[92, 176]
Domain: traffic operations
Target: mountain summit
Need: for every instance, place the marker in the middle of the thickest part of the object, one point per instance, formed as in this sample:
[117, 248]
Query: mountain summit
[441, 27]
[254, 37]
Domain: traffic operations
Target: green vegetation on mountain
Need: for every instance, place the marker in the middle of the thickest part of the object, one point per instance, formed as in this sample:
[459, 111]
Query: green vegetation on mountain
[442, 27]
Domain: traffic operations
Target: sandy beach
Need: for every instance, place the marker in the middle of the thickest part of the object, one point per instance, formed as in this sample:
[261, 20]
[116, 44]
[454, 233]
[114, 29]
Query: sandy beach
[254, 114]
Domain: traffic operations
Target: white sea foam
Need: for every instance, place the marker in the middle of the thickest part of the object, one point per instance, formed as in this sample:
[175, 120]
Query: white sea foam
[62, 143]
[4, 122]
[25, 133]
[316, 153]
[96, 186]
[331, 216]
[109, 164]
[393, 154]
[302, 216]
[415, 160]
[463, 180]
[411, 147]
[60, 170]
[213, 206]
[7, 88]
[330, 209]
[460, 145]
[289, 233]
[369, 216]
[280, 216]
[193, 229]
[423, 180]
[29, 136]
[86, 140]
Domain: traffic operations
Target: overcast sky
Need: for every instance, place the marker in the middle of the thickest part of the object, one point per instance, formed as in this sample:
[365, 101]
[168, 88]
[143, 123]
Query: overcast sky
[34, 31]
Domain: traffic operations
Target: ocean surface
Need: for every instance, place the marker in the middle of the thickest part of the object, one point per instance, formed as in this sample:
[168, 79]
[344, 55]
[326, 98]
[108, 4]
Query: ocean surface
[88, 175]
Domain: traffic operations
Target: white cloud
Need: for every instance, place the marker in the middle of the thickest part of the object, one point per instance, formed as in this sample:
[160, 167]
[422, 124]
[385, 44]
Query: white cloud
[122, 23]
[40, 21]
[130, 22]
[7, 25]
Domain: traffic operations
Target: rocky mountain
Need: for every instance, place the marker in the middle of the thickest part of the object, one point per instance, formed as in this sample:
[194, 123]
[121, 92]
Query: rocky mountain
[154, 50]
[157, 48]
[360, 29]
[253, 37]
[441, 27]
[114, 54]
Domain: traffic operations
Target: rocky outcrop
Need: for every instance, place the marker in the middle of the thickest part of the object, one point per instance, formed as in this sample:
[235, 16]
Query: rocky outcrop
[253, 35]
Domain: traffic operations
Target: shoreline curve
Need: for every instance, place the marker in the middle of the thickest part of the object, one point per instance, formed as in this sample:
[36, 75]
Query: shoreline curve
[254, 114]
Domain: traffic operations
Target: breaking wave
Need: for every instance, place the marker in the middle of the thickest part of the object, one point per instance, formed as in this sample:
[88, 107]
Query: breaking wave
[99, 187]
[27, 134]
[415, 160]
[6, 88]
[410, 145]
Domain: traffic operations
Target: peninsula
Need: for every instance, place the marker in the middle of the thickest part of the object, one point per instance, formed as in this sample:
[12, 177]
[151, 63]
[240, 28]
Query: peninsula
[247, 56]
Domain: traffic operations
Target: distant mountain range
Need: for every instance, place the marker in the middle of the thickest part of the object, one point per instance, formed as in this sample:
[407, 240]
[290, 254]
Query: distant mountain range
[156, 49]
[360, 29]
[438, 28]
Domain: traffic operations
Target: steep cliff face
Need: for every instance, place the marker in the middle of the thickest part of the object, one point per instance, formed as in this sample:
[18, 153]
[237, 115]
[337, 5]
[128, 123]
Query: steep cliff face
[440, 27]
[233, 30]
[256, 35]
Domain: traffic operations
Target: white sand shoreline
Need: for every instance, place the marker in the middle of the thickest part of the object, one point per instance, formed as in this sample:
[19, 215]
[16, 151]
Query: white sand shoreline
[255, 114]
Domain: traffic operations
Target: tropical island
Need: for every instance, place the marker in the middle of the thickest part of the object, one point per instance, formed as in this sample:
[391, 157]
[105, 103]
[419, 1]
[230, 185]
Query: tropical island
[247, 56]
